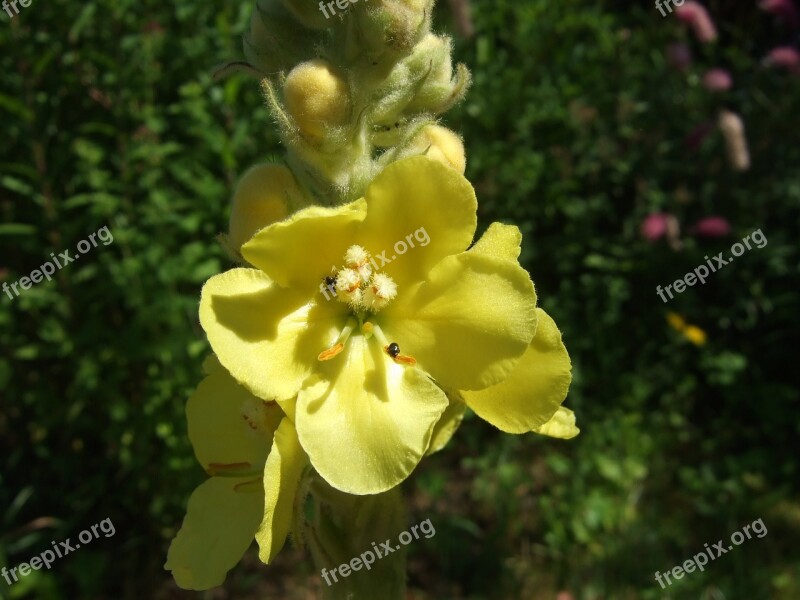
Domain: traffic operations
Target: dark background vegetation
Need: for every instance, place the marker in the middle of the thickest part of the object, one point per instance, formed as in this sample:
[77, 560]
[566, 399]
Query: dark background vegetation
[575, 130]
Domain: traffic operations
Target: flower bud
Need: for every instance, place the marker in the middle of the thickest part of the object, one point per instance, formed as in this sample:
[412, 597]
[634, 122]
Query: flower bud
[263, 196]
[309, 13]
[394, 26]
[274, 41]
[439, 90]
[316, 97]
[440, 144]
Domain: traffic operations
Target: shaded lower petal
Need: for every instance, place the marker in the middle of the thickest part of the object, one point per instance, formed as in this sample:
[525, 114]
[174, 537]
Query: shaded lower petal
[562, 425]
[469, 323]
[535, 390]
[367, 421]
[219, 527]
[266, 336]
[228, 426]
[448, 423]
[282, 475]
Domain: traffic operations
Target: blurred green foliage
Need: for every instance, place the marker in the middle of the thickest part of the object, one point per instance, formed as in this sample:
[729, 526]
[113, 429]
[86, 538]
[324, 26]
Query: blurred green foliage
[575, 131]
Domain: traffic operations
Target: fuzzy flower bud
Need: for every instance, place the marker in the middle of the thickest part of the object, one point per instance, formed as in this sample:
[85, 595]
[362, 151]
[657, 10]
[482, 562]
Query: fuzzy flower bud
[394, 26]
[309, 14]
[274, 41]
[431, 65]
[263, 196]
[440, 144]
[317, 97]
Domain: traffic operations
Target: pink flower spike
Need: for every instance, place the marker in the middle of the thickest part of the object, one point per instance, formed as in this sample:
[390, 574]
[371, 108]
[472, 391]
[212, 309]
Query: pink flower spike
[696, 16]
[783, 9]
[717, 80]
[784, 57]
[712, 227]
[654, 226]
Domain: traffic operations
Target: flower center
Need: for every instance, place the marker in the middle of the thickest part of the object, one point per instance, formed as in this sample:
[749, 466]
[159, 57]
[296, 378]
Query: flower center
[359, 284]
[366, 290]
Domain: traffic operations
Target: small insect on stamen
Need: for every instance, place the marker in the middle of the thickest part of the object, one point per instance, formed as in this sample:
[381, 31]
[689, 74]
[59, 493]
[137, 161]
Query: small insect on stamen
[330, 281]
[393, 350]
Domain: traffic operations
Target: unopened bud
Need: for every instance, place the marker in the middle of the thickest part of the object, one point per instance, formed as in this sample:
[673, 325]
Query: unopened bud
[263, 196]
[274, 42]
[440, 144]
[394, 26]
[317, 97]
[310, 14]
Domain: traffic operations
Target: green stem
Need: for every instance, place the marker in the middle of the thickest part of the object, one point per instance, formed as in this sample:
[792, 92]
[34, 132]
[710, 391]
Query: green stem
[348, 530]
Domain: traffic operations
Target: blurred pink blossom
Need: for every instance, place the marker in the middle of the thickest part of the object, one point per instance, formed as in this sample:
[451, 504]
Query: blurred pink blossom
[654, 226]
[679, 56]
[784, 9]
[696, 16]
[717, 80]
[712, 227]
[785, 57]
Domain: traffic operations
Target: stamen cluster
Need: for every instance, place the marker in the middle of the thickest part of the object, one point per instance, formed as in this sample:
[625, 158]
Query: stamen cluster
[360, 285]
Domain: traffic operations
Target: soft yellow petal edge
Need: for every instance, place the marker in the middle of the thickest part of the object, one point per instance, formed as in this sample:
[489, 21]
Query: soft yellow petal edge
[282, 475]
[561, 426]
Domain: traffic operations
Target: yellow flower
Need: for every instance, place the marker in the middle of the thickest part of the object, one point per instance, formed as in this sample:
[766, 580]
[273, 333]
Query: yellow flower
[416, 317]
[691, 332]
[247, 446]
[695, 335]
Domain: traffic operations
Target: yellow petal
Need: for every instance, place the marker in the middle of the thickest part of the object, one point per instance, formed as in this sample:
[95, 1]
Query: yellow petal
[531, 395]
[469, 324]
[300, 251]
[500, 241]
[219, 527]
[447, 424]
[228, 426]
[419, 211]
[367, 421]
[282, 475]
[266, 336]
[562, 425]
